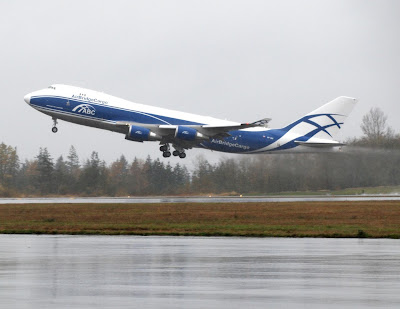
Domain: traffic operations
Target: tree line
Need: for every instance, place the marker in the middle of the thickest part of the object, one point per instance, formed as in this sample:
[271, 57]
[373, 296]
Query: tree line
[45, 176]
[372, 160]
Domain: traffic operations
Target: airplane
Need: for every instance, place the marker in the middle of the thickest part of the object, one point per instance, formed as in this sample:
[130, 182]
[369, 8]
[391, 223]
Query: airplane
[183, 131]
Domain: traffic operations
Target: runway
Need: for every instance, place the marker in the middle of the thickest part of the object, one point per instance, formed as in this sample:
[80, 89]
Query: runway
[188, 272]
[199, 199]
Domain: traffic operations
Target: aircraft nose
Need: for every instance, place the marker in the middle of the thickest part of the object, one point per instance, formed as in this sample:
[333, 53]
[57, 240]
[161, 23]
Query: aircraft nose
[27, 98]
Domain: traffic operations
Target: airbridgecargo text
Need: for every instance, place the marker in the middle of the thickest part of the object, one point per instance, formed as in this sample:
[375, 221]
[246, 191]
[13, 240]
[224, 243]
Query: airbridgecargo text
[225, 143]
[83, 97]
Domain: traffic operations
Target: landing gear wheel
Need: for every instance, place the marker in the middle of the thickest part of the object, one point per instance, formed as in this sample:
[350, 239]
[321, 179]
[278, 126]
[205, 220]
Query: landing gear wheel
[175, 153]
[54, 128]
[182, 155]
[166, 154]
[163, 148]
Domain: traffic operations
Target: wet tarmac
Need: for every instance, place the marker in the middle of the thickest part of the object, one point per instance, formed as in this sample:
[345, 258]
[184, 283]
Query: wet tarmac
[201, 199]
[187, 272]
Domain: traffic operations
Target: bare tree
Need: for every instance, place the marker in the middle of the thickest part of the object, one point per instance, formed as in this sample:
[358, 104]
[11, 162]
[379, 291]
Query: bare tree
[374, 124]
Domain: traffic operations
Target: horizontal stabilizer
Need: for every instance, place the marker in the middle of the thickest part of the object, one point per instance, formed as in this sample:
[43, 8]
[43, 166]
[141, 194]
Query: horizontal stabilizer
[320, 144]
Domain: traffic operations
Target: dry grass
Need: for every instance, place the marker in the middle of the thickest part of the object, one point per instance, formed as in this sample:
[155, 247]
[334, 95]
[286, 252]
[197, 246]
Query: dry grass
[292, 219]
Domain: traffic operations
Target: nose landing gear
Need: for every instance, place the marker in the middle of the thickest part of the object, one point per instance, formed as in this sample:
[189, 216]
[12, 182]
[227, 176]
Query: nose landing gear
[54, 128]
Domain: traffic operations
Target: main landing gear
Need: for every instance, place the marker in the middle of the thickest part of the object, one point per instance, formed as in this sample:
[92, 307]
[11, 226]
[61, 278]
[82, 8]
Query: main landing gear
[176, 153]
[54, 128]
[165, 150]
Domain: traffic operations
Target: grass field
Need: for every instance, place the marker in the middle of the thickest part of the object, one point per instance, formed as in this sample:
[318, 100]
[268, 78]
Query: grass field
[380, 219]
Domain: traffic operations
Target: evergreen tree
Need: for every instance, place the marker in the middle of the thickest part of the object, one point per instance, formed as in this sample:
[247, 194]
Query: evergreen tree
[61, 177]
[119, 176]
[202, 179]
[73, 170]
[90, 180]
[180, 179]
[146, 176]
[157, 183]
[72, 162]
[136, 178]
[104, 187]
[45, 168]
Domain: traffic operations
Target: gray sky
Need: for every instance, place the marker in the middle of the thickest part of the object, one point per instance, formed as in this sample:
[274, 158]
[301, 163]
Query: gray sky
[236, 60]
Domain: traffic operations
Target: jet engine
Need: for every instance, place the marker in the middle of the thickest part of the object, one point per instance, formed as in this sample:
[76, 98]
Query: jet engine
[141, 134]
[188, 134]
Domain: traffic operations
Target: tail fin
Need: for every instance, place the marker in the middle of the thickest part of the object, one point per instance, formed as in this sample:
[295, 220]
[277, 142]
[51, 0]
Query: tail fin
[324, 122]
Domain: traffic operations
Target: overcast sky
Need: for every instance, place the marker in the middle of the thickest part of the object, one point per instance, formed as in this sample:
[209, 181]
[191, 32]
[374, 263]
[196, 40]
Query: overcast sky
[236, 60]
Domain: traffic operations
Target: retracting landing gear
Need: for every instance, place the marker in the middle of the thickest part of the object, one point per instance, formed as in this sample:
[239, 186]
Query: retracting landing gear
[54, 128]
[165, 150]
[180, 153]
[176, 153]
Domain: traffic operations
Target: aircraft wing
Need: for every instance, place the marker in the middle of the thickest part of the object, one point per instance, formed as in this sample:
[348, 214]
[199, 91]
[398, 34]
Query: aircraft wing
[207, 130]
[222, 131]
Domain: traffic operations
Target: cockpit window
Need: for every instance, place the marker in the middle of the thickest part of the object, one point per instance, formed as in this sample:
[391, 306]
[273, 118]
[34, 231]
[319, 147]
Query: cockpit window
[52, 87]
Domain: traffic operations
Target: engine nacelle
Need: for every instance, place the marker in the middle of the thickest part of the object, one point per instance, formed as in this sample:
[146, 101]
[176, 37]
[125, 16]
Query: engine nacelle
[141, 134]
[188, 134]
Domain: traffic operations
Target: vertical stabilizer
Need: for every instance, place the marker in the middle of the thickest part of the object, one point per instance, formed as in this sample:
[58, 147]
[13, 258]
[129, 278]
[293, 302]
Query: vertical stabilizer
[324, 122]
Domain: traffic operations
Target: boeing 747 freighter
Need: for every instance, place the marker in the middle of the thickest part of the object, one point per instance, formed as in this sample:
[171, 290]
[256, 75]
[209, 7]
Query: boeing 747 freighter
[178, 131]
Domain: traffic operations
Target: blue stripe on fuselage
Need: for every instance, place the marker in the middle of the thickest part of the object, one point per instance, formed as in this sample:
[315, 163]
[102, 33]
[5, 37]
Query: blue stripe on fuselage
[244, 141]
[105, 112]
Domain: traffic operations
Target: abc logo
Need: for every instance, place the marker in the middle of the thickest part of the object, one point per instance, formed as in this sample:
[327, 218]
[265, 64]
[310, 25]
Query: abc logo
[85, 109]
